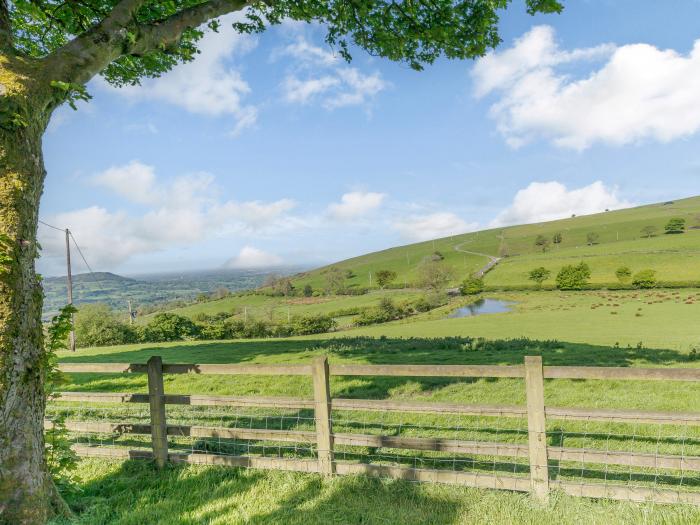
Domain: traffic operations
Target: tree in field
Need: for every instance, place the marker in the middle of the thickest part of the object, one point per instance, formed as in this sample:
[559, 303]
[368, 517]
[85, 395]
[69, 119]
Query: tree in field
[592, 238]
[649, 231]
[308, 290]
[623, 274]
[573, 277]
[557, 238]
[335, 280]
[539, 275]
[49, 51]
[385, 277]
[434, 275]
[542, 242]
[675, 225]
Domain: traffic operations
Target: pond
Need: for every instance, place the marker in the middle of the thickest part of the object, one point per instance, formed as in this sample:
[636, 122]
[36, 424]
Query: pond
[481, 307]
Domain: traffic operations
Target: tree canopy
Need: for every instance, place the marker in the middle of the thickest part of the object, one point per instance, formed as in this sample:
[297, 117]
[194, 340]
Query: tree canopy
[130, 39]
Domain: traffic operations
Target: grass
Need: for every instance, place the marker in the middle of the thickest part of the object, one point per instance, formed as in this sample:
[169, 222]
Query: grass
[133, 493]
[278, 308]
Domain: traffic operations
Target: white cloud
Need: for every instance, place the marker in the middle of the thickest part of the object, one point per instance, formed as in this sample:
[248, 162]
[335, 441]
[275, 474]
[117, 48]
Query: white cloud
[319, 76]
[432, 226]
[135, 181]
[208, 85]
[182, 212]
[303, 91]
[640, 92]
[250, 257]
[355, 204]
[548, 201]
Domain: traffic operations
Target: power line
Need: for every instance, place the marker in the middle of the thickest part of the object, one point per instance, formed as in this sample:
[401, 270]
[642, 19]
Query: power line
[95, 278]
[52, 226]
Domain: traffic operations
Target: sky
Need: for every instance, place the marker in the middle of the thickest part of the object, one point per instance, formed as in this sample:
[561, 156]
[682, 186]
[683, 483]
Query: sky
[271, 150]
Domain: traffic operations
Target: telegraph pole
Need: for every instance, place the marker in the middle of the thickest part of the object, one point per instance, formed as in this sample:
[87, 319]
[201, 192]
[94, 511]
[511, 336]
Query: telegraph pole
[71, 337]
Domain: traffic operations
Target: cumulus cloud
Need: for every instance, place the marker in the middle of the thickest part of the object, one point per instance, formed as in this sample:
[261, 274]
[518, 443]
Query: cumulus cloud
[355, 205]
[251, 257]
[208, 85]
[432, 226]
[181, 212]
[637, 92]
[548, 201]
[319, 76]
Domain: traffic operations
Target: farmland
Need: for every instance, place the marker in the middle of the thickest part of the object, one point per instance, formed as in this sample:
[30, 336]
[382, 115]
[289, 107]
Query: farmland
[601, 327]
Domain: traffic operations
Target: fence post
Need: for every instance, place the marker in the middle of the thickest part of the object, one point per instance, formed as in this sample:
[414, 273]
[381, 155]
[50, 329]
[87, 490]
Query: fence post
[322, 413]
[536, 426]
[159, 429]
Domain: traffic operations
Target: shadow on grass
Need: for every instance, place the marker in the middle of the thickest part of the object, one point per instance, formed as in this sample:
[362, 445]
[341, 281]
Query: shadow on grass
[134, 492]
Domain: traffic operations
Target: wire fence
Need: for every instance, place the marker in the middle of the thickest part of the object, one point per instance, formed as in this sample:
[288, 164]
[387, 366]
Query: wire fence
[619, 454]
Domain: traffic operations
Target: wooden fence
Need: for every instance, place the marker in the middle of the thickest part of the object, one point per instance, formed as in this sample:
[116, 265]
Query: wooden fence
[537, 450]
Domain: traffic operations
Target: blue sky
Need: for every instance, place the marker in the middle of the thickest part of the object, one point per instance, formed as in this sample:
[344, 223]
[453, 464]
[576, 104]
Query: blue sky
[271, 150]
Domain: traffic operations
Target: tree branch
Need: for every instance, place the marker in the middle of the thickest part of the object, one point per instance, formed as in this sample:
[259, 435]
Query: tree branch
[168, 32]
[5, 26]
[88, 54]
[85, 56]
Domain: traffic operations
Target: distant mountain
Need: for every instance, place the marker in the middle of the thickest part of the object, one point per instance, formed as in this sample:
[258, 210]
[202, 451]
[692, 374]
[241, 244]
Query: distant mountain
[147, 290]
[101, 277]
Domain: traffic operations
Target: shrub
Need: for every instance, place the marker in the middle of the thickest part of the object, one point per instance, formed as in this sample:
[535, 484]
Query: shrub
[308, 291]
[539, 275]
[430, 302]
[168, 327]
[675, 225]
[572, 277]
[623, 274]
[386, 311]
[312, 324]
[96, 325]
[472, 286]
[644, 279]
[592, 238]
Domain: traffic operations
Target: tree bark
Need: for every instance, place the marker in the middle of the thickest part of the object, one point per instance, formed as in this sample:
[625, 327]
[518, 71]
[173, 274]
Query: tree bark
[27, 494]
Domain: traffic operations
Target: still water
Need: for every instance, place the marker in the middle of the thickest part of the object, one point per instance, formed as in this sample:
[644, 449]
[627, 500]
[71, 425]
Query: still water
[481, 307]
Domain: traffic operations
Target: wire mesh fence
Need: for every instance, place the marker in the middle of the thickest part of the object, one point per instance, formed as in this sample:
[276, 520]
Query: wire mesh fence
[622, 455]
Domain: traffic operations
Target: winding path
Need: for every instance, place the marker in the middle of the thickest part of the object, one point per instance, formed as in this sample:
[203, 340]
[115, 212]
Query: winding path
[493, 261]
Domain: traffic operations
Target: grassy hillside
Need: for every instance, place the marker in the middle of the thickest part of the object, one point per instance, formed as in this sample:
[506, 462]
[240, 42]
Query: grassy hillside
[620, 241]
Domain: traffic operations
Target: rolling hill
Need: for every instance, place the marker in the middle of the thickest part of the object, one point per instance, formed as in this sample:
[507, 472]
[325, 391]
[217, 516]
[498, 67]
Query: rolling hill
[620, 240]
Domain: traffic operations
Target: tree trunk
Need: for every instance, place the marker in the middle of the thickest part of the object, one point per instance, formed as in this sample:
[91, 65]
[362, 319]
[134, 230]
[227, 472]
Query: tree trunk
[27, 493]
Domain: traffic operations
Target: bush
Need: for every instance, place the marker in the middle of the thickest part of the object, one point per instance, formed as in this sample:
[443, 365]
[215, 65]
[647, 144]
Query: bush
[96, 325]
[308, 291]
[311, 324]
[623, 274]
[472, 286]
[386, 311]
[430, 302]
[572, 277]
[168, 327]
[644, 279]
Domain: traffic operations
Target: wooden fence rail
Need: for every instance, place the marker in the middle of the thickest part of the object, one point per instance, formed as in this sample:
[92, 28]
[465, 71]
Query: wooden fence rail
[538, 453]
